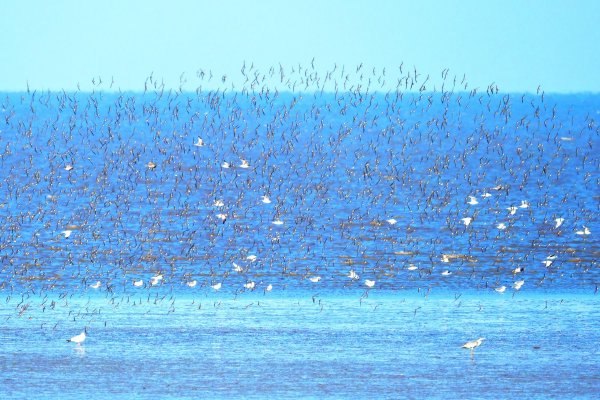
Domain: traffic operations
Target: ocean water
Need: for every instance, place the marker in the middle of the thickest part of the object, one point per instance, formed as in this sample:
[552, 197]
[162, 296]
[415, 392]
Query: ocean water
[367, 284]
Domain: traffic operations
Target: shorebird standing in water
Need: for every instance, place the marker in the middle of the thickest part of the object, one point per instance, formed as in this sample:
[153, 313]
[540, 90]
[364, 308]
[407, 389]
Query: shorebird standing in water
[79, 338]
[472, 345]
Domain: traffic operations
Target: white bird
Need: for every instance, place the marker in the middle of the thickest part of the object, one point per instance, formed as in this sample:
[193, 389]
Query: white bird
[237, 268]
[191, 283]
[79, 338]
[249, 285]
[559, 222]
[67, 233]
[95, 285]
[446, 273]
[524, 204]
[138, 283]
[512, 210]
[518, 284]
[369, 283]
[585, 231]
[199, 142]
[486, 195]
[151, 165]
[412, 267]
[472, 200]
[277, 222]
[266, 200]
[225, 165]
[501, 226]
[391, 221]
[314, 279]
[473, 344]
[218, 203]
[269, 288]
[467, 220]
[500, 289]
[353, 275]
[244, 164]
[547, 263]
[156, 279]
[217, 286]
[251, 258]
[518, 270]
[222, 217]
[445, 258]
[68, 167]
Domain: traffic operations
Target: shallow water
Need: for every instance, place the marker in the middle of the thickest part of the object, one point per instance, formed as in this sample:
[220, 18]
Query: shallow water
[385, 346]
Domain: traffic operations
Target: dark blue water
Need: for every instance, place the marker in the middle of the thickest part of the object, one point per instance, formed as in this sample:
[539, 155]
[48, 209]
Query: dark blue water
[141, 200]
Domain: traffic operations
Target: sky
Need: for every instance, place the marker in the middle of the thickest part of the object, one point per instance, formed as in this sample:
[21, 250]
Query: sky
[516, 44]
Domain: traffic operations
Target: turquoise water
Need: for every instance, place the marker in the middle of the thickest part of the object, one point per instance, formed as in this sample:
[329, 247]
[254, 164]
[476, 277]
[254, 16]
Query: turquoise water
[390, 345]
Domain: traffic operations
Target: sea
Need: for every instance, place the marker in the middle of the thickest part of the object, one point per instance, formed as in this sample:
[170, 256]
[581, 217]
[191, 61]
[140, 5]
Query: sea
[291, 245]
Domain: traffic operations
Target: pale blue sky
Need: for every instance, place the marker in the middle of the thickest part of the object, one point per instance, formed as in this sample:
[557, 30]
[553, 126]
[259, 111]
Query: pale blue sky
[516, 44]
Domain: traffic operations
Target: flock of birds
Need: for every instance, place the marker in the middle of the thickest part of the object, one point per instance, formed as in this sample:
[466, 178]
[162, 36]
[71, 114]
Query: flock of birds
[295, 187]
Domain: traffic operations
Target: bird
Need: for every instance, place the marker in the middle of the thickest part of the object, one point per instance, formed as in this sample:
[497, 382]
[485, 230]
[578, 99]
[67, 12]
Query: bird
[501, 226]
[199, 142]
[559, 222]
[218, 203]
[369, 283]
[225, 165]
[353, 275]
[584, 231]
[471, 345]
[500, 289]
[524, 204]
[269, 288]
[191, 283]
[391, 221]
[156, 279]
[265, 199]
[151, 165]
[251, 258]
[314, 279]
[79, 339]
[547, 263]
[66, 233]
[277, 222]
[68, 167]
[249, 285]
[244, 164]
[138, 283]
[222, 217]
[237, 268]
[518, 270]
[472, 200]
[217, 286]
[518, 284]
[467, 220]
[512, 210]
[446, 272]
[95, 285]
